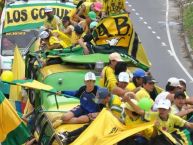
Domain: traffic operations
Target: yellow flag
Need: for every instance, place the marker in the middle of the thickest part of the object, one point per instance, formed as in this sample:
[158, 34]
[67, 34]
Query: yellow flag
[108, 130]
[117, 31]
[18, 70]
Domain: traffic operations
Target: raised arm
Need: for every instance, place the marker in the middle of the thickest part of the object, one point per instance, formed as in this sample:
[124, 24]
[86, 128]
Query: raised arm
[127, 98]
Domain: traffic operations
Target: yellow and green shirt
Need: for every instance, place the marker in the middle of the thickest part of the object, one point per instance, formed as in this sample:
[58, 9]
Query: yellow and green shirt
[142, 93]
[115, 106]
[168, 125]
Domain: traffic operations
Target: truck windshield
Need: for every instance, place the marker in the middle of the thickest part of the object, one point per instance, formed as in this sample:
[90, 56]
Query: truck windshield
[22, 39]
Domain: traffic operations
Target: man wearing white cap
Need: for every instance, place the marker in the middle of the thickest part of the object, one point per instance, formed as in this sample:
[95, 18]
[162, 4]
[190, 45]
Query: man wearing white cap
[164, 120]
[123, 80]
[87, 105]
[173, 85]
[52, 22]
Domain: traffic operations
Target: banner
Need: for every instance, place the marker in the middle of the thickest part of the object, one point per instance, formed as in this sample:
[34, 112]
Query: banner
[32, 13]
[108, 130]
[118, 33]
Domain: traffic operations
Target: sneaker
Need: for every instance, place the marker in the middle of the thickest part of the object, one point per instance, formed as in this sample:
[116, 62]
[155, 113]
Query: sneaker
[63, 137]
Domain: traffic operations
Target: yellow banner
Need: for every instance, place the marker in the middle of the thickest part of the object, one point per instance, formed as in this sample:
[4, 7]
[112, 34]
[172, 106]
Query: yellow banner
[29, 14]
[117, 31]
[107, 130]
[116, 28]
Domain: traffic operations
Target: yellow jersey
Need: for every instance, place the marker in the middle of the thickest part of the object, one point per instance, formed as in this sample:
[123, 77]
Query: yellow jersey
[115, 105]
[168, 125]
[131, 86]
[142, 93]
[108, 78]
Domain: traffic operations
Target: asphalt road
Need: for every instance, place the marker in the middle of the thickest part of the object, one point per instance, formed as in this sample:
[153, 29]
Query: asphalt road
[158, 25]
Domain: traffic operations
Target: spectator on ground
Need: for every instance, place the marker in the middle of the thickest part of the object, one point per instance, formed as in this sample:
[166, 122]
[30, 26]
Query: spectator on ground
[52, 22]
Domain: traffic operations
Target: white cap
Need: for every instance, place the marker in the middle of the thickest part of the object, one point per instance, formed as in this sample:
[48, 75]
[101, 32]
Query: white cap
[48, 9]
[174, 82]
[115, 56]
[182, 80]
[90, 76]
[127, 106]
[44, 34]
[123, 77]
[164, 103]
[161, 96]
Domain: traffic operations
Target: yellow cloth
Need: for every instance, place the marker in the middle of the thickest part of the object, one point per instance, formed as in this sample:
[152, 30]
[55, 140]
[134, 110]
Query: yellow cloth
[131, 86]
[54, 24]
[142, 93]
[169, 125]
[107, 130]
[62, 39]
[108, 78]
[146, 133]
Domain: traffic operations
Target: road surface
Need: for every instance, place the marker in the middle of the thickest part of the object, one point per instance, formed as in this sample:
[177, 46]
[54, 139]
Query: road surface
[159, 28]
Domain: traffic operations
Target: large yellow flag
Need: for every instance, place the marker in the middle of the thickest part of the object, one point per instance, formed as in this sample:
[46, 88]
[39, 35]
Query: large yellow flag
[117, 32]
[108, 130]
[18, 70]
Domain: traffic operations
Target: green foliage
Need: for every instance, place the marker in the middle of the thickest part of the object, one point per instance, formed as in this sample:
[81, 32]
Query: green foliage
[188, 22]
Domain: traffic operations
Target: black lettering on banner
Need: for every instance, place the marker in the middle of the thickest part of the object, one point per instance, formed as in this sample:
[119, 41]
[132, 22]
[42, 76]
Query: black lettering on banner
[114, 130]
[34, 14]
[23, 15]
[59, 12]
[9, 19]
[42, 13]
[54, 10]
[16, 16]
[124, 24]
[102, 30]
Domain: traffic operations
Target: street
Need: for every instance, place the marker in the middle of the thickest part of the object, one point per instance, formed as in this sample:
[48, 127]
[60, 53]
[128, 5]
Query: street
[159, 28]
